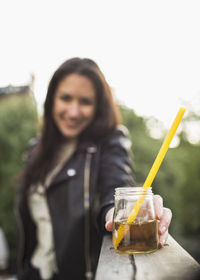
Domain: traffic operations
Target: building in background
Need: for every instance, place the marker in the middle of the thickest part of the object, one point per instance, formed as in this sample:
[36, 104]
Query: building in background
[24, 90]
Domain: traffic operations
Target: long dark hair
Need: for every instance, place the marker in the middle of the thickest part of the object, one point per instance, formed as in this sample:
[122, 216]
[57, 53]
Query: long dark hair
[106, 118]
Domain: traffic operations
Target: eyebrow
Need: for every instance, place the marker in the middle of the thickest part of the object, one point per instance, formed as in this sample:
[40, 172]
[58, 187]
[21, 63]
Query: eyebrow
[67, 93]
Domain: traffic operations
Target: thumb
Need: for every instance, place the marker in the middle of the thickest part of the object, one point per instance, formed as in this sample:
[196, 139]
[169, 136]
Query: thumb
[109, 225]
[108, 219]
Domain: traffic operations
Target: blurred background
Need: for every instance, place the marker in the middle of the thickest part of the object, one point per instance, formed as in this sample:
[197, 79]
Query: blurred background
[149, 53]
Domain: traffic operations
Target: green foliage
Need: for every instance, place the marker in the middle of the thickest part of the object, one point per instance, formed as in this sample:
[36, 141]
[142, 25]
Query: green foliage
[18, 123]
[178, 179]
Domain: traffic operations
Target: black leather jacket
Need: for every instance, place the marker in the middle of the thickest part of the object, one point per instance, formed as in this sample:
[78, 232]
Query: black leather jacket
[110, 167]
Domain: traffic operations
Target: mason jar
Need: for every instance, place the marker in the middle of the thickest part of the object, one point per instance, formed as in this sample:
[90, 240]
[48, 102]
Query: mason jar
[141, 234]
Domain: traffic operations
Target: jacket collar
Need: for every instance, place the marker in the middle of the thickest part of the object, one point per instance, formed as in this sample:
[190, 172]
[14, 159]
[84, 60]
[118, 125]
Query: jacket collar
[70, 168]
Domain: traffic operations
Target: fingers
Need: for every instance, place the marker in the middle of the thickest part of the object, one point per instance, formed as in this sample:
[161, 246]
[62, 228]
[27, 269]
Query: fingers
[163, 238]
[165, 216]
[158, 206]
[165, 220]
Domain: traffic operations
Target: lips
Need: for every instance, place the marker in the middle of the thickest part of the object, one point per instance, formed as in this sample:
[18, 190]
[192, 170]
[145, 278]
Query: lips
[71, 125]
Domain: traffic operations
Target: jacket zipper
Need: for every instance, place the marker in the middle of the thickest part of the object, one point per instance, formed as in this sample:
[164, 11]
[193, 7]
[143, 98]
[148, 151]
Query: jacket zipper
[90, 151]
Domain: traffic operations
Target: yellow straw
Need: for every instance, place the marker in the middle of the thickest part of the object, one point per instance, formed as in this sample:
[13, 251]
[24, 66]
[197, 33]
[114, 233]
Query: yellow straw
[152, 173]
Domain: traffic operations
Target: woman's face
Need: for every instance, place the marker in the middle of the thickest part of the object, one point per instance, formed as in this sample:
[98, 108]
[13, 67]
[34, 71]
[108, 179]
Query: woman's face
[74, 105]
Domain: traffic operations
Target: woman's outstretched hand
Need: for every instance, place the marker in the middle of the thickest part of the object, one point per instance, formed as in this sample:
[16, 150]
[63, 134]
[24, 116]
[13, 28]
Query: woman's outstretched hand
[163, 215]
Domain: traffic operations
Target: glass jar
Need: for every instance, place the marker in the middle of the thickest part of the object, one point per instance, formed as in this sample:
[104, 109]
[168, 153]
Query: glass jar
[140, 235]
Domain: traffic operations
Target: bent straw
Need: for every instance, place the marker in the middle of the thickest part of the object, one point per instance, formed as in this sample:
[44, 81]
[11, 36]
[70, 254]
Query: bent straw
[152, 173]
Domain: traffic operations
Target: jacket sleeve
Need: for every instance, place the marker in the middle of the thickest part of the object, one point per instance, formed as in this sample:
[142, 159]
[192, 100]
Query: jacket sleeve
[115, 170]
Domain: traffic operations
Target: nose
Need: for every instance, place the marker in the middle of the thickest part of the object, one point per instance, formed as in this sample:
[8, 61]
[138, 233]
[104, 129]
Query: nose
[74, 110]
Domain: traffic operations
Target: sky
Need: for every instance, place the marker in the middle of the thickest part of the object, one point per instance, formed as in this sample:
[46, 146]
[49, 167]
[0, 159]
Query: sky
[149, 51]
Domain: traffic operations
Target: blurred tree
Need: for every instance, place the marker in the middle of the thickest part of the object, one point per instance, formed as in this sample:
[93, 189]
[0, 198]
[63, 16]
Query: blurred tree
[178, 179]
[18, 123]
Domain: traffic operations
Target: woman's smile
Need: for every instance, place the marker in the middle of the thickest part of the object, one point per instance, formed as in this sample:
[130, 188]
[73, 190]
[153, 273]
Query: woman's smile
[71, 123]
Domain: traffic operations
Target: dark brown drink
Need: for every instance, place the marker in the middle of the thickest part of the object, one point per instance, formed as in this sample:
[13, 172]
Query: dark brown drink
[138, 237]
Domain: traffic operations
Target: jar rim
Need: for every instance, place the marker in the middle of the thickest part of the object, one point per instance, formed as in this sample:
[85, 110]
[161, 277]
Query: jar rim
[133, 190]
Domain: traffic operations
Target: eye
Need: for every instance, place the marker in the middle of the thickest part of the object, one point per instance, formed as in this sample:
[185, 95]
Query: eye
[66, 97]
[86, 101]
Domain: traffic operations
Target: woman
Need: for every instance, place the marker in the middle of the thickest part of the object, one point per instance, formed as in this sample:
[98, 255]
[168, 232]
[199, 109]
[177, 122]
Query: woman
[66, 198]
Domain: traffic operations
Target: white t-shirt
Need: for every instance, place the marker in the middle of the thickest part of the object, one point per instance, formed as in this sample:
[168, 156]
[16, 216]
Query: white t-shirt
[4, 254]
